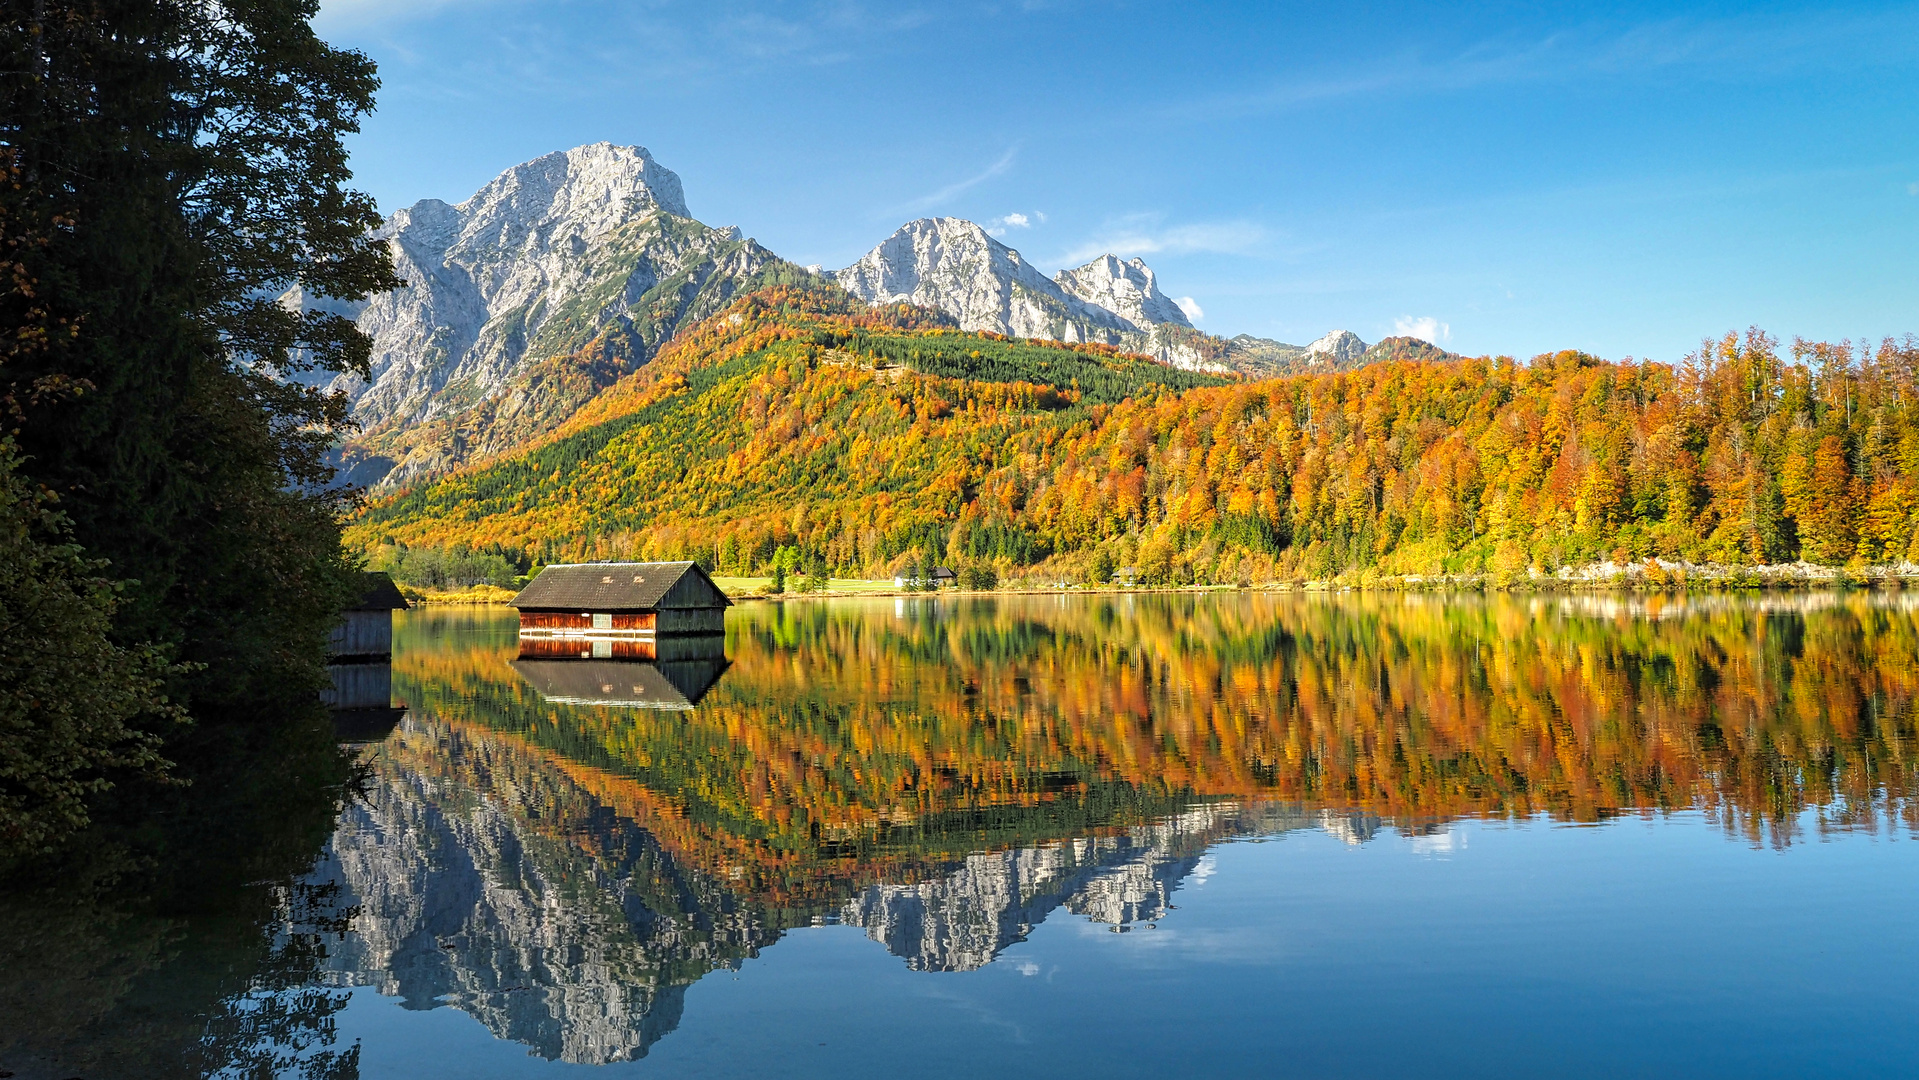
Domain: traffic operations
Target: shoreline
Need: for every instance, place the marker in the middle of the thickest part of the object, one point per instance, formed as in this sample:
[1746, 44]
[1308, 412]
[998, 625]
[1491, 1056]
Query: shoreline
[1654, 577]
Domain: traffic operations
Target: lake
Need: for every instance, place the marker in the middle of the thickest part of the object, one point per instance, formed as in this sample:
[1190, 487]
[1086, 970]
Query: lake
[1132, 835]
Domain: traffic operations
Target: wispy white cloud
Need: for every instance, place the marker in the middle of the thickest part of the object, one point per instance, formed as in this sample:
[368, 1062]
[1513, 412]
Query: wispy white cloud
[1730, 48]
[1190, 306]
[1425, 328]
[1146, 234]
[946, 194]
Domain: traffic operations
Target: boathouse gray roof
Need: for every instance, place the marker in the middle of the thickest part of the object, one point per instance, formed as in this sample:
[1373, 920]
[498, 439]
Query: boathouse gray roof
[378, 593]
[620, 586]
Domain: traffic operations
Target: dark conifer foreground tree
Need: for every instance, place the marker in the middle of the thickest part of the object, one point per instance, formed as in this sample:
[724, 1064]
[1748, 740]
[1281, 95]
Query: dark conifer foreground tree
[173, 167]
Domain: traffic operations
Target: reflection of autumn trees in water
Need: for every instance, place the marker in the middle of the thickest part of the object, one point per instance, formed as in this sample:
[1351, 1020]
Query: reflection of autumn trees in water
[862, 729]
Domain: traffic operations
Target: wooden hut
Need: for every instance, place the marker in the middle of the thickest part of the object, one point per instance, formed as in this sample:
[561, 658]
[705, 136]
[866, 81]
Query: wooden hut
[365, 630]
[361, 646]
[628, 599]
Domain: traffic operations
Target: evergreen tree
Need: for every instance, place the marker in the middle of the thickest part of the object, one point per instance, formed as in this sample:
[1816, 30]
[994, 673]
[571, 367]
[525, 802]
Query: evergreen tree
[172, 168]
[185, 161]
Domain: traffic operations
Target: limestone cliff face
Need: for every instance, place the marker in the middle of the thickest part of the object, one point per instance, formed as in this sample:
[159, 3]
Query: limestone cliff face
[589, 249]
[1340, 350]
[953, 265]
[1128, 289]
[1338, 347]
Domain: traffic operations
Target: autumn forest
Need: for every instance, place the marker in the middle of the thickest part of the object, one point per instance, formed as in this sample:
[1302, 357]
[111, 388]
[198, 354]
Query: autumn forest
[800, 424]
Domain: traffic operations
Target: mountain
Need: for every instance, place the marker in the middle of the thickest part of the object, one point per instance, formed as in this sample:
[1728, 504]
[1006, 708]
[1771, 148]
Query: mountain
[1338, 347]
[1341, 350]
[1401, 348]
[568, 272]
[801, 418]
[549, 283]
[953, 266]
[1128, 289]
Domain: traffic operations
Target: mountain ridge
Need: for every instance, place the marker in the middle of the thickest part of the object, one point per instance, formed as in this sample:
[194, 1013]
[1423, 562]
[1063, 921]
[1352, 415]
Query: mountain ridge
[567, 272]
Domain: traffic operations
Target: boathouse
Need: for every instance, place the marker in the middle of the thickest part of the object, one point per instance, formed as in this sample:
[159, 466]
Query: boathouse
[365, 629]
[626, 599]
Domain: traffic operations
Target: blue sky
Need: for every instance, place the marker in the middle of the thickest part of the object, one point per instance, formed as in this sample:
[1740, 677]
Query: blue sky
[1514, 178]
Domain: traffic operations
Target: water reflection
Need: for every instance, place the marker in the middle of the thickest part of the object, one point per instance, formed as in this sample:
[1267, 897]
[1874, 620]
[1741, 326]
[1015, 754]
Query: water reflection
[559, 847]
[668, 673]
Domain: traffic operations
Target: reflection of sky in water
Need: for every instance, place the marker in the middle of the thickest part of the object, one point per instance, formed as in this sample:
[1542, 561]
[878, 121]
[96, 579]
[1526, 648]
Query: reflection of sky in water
[1580, 952]
[501, 873]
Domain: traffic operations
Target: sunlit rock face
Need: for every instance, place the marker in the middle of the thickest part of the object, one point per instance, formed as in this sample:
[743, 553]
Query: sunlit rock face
[593, 244]
[1340, 347]
[954, 266]
[1129, 289]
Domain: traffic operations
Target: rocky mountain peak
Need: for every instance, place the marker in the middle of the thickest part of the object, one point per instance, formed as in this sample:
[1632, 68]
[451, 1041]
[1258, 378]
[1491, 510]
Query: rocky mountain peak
[588, 245]
[1129, 289]
[953, 265]
[591, 189]
[1338, 347]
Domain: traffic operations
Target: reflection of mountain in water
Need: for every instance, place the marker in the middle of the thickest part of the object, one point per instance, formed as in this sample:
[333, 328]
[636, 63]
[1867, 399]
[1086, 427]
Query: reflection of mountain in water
[961, 921]
[580, 948]
[487, 879]
[561, 864]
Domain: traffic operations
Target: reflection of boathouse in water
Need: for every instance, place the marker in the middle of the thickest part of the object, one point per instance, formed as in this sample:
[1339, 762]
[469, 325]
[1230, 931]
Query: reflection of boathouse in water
[360, 664]
[673, 673]
[621, 600]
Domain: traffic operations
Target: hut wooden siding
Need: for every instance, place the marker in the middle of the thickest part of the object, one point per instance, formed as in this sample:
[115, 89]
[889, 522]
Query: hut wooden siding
[581, 599]
[583, 621]
[365, 629]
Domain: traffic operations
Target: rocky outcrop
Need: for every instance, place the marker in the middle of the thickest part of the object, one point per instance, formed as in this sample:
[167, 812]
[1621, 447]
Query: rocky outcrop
[1128, 289]
[954, 266]
[1405, 348]
[1339, 348]
[590, 249]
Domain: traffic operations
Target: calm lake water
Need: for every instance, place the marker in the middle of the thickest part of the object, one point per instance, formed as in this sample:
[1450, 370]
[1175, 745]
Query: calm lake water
[1314, 836]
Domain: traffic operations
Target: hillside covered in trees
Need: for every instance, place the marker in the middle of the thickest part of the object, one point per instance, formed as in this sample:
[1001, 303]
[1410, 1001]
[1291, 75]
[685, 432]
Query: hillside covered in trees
[862, 440]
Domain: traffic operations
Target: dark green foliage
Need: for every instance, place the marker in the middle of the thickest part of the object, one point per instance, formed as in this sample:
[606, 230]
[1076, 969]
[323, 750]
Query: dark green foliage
[71, 701]
[174, 165]
[435, 568]
[178, 937]
[1012, 542]
[1097, 378]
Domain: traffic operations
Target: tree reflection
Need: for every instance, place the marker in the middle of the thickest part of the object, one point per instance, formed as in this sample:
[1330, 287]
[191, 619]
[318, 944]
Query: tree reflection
[182, 942]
